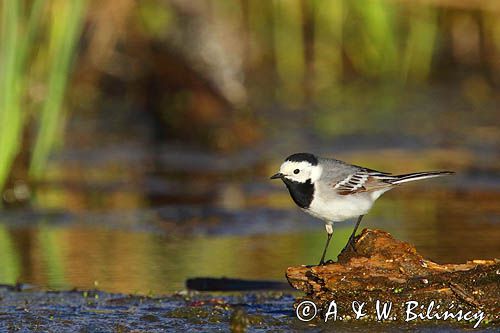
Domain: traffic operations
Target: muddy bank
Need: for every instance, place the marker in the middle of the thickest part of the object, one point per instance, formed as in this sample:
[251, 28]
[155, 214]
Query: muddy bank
[96, 311]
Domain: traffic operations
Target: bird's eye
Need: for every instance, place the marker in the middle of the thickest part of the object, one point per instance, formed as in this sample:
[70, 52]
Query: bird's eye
[296, 171]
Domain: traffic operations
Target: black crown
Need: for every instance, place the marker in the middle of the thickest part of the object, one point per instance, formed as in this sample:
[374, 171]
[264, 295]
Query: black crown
[301, 157]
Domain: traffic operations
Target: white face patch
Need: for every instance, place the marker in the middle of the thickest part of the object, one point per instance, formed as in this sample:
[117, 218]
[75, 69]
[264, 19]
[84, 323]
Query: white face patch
[301, 171]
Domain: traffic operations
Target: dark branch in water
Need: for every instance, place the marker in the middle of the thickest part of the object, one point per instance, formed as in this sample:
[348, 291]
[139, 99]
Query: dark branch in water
[225, 284]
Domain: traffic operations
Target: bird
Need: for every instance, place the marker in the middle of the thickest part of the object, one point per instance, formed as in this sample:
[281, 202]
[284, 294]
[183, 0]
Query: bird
[335, 191]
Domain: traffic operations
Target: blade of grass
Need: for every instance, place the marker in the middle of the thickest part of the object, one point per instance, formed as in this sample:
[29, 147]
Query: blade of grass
[10, 113]
[13, 60]
[66, 23]
[420, 44]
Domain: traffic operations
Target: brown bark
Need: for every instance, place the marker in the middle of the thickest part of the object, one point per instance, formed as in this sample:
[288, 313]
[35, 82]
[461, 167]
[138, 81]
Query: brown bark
[383, 268]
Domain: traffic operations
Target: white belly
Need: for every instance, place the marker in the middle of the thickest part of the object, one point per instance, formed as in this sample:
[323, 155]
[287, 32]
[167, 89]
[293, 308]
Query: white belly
[341, 207]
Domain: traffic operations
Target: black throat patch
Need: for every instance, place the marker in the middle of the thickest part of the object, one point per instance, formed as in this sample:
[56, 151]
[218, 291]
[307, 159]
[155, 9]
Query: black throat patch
[301, 193]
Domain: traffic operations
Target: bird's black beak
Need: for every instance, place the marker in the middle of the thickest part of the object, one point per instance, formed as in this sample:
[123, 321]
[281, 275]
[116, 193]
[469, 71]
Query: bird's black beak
[276, 176]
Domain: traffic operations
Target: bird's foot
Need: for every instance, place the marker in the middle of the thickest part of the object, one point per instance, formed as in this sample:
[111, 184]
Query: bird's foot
[350, 243]
[322, 263]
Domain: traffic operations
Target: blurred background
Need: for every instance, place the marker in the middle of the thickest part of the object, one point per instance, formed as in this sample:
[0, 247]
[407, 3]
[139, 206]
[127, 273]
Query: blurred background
[137, 137]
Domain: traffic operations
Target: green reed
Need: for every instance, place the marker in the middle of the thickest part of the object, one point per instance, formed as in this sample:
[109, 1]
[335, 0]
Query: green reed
[38, 28]
[64, 32]
[10, 87]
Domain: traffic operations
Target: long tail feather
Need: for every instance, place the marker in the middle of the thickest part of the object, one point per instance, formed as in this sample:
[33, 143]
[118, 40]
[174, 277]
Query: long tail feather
[400, 179]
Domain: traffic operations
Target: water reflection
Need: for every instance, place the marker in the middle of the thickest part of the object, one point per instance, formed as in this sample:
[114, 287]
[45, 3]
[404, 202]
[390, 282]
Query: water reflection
[446, 226]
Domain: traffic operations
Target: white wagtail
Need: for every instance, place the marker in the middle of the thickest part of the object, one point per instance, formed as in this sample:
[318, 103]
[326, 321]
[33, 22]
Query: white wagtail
[335, 191]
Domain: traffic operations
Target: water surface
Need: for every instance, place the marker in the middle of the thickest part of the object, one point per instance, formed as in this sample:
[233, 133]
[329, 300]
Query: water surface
[156, 250]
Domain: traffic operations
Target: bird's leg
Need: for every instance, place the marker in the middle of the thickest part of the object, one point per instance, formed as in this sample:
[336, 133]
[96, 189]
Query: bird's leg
[350, 242]
[329, 231]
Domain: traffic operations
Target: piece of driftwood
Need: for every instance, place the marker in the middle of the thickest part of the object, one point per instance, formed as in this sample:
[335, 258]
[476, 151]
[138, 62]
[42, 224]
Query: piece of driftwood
[227, 284]
[385, 271]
